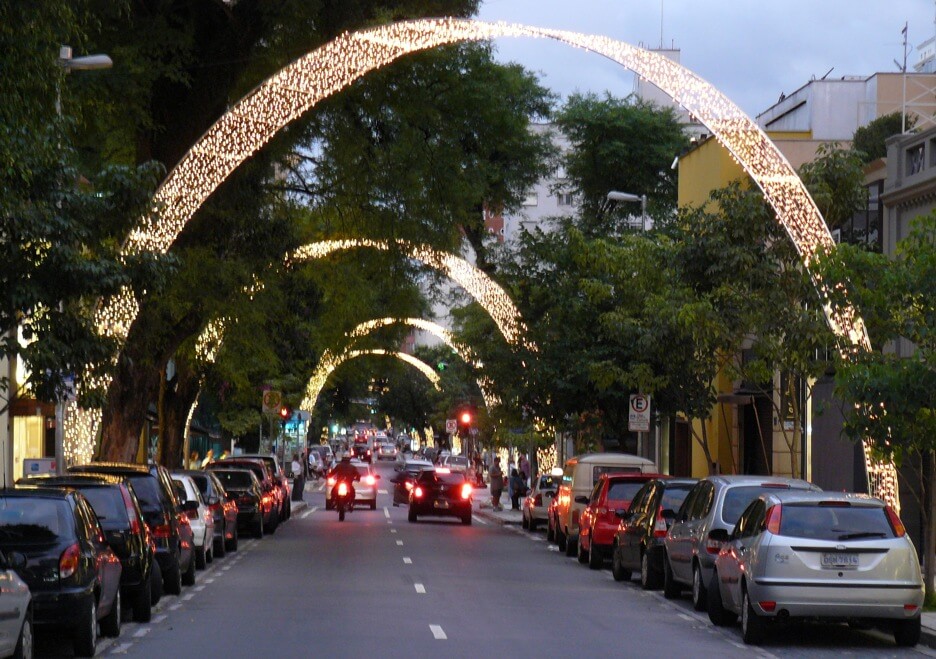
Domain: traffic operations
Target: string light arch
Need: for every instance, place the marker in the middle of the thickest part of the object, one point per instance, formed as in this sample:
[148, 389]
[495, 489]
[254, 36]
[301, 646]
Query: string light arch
[296, 88]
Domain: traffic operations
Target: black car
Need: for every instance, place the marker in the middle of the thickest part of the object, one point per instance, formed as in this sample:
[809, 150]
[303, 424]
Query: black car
[54, 541]
[279, 479]
[441, 493]
[161, 510]
[118, 511]
[270, 492]
[638, 543]
[242, 485]
[405, 477]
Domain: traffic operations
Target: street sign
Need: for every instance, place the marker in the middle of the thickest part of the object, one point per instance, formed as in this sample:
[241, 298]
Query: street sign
[272, 400]
[638, 413]
[451, 425]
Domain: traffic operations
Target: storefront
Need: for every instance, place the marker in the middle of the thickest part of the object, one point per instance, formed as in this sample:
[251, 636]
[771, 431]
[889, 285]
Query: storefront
[33, 432]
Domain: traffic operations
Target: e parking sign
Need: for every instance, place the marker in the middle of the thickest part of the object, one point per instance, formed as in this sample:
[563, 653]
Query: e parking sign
[638, 413]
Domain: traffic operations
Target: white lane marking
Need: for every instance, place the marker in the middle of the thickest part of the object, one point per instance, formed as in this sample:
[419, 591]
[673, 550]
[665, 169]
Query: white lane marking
[552, 547]
[158, 619]
[685, 617]
[478, 520]
[175, 607]
[407, 560]
[227, 567]
[186, 598]
[399, 543]
[307, 513]
[382, 492]
[386, 513]
[122, 648]
[389, 521]
[437, 632]
[143, 631]
[198, 589]
[392, 530]
[211, 580]
[420, 588]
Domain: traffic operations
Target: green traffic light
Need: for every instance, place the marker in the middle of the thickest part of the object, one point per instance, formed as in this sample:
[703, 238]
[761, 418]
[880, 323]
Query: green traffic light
[441, 366]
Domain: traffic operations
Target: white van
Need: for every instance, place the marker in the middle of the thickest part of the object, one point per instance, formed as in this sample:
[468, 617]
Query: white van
[578, 480]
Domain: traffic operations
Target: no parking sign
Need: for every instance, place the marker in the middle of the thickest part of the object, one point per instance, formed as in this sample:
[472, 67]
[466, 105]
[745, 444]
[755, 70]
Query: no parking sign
[638, 413]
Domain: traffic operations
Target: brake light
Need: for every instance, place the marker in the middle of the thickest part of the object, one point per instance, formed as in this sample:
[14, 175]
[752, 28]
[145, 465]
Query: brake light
[898, 527]
[910, 607]
[131, 511]
[773, 519]
[768, 607]
[343, 489]
[418, 492]
[466, 491]
[711, 546]
[538, 500]
[68, 561]
[776, 486]
[192, 514]
[659, 526]
[331, 481]
[409, 486]
[162, 532]
[369, 480]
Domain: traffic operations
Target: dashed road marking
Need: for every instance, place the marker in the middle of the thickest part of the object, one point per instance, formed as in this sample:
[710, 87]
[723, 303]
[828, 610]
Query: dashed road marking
[399, 543]
[479, 520]
[186, 598]
[407, 560]
[198, 589]
[211, 580]
[685, 617]
[122, 648]
[552, 547]
[158, 619]
[143, 631]
[176, 607]
[437, 632]
[386, 513]
[392, 530]
[381, 492]
[420, 588]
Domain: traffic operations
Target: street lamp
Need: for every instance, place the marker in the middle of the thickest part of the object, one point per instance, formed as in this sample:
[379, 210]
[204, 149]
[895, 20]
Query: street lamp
[614, 196]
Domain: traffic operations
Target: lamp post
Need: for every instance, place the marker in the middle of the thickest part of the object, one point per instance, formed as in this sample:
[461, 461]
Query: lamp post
[615, 196]
[70, 63]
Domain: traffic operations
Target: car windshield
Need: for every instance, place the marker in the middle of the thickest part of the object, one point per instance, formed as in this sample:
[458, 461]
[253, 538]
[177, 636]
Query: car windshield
[457, 460]
[674, 495]
[623, 490]
[598, 470]
[833, 522]
[108, 505]
[738, 498]
[548, 482]
[147, 491]
[27, 520]
[236, 480]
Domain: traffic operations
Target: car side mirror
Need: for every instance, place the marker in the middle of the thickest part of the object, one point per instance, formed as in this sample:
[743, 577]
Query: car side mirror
[582, 500]
[621, 513]
[17, 560]
[718, 535]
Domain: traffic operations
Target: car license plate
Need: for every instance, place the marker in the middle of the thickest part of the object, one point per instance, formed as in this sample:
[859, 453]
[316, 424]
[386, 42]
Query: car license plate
[441, 504]
[840, 561]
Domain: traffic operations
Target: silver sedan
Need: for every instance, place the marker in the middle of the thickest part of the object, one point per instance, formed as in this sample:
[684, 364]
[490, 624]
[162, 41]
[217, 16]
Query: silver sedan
[825, 555]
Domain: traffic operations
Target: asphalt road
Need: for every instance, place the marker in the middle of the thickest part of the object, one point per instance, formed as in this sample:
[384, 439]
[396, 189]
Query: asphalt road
[378, 586]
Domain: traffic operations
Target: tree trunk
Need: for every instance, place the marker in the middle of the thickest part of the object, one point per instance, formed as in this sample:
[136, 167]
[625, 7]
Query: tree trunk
[703, 441]
[176, 403]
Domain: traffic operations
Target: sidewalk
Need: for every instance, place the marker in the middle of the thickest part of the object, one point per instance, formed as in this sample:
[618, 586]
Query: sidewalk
[482, 508]
[928, 637]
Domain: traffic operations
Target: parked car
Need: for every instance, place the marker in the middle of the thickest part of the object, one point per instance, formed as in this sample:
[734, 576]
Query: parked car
[55, 538]
[715, 502]
[537, 501]
[243, 486]
[223, 508]
[441, 493]
[200, 518]
[163, 514]
[271, 493]
[826, 555]
[578, 480]
[598, 523]
[280, 480]
[365, 490]
[115, 503]
[638, 541]
[16, 618]
[405, 477]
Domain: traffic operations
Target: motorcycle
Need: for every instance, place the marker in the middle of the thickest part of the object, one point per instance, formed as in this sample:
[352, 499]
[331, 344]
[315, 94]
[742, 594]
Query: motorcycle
[342, 499]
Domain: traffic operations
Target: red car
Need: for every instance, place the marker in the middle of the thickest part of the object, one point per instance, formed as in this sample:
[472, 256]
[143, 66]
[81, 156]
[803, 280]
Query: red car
[599, 521]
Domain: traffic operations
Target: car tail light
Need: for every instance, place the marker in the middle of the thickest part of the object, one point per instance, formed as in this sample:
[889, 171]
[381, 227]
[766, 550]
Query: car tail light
[131, 511]
[895, 522]
[68, 561]
[768, 607]
[659, 526]
[409, 486]
[342, 489]
[331, 481]
[163, 531]
[910, 607]
[711, 546]
[466, 491]
[773, 519]
[369, 480]
[418, 492]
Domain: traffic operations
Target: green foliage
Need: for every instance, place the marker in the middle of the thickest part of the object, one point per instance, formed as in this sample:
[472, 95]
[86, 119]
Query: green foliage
[870, 141]
[835, 179]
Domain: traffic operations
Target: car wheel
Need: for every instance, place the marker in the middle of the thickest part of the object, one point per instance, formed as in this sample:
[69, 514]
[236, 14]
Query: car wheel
[649, 578]
[110, 625]
[571, 544]
[524, 522]
[172, 581]
[550, 533]
[595, 557]
[188, 578]
[156, 583]
[373, 504]
[258, 528]
[233, 542]
[699, 594]
[752, 625]
[671, 589]
[466, 520]
[270, 528]
[201, 558]
[717, 613]
[532, 523]
[220, 547]
[617, 567]
[143, 602]
[85, 638]
[24, 644]
[411, 515]
[907, 632]
[580, 552]
[561, 540]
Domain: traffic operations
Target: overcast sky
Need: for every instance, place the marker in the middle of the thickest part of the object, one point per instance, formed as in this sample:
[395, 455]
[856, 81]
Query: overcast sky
[752, 50]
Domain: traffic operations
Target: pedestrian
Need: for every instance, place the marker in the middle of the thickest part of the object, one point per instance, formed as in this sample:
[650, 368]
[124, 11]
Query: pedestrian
[497, 484]
[523, 466]
[517, 489]
[209, 456]
[194, 462]
[298, 478]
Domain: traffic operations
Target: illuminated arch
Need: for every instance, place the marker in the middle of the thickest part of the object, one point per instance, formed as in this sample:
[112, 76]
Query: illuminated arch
[296, 88]
[331, 361]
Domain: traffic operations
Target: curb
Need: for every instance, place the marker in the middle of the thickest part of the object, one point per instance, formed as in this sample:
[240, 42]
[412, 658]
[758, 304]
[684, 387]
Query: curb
[928, 637]
[491, 517]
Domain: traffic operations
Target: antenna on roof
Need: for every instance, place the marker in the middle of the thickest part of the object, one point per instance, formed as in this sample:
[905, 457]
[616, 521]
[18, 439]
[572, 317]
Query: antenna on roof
[827, 73]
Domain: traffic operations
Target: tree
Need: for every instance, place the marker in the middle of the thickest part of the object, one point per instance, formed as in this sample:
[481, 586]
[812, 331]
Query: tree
[835, 179]
[870, 141]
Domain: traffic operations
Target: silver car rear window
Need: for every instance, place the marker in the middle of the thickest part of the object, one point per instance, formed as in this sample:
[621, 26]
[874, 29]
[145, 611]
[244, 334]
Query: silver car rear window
[738, 498]
[826, 522]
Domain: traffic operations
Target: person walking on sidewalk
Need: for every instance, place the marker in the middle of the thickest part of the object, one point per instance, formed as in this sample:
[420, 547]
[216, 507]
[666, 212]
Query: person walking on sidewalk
[517, 489]
[497, 484]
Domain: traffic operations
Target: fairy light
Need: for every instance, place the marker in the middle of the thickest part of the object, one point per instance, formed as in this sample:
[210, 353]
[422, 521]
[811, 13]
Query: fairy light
[331, 361]
[295, 89]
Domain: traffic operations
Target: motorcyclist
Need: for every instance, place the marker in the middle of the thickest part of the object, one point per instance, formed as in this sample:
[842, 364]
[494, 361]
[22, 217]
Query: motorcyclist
[346, 472]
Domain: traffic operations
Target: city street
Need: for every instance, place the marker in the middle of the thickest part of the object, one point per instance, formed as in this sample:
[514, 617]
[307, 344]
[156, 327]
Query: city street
[378, 586]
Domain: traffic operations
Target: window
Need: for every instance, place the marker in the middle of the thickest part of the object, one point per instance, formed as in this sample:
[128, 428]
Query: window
[689, 502]
[531, 199]
[566, 199]
[623, 490]
[703, 502]
[914, 159]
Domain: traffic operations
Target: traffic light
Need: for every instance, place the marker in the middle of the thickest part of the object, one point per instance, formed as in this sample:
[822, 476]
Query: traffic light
[466, 418]
[285, 414]
[441, 366]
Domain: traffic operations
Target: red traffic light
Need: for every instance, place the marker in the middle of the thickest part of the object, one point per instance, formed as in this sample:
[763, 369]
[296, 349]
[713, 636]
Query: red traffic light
[285, 413]
[466, 418]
